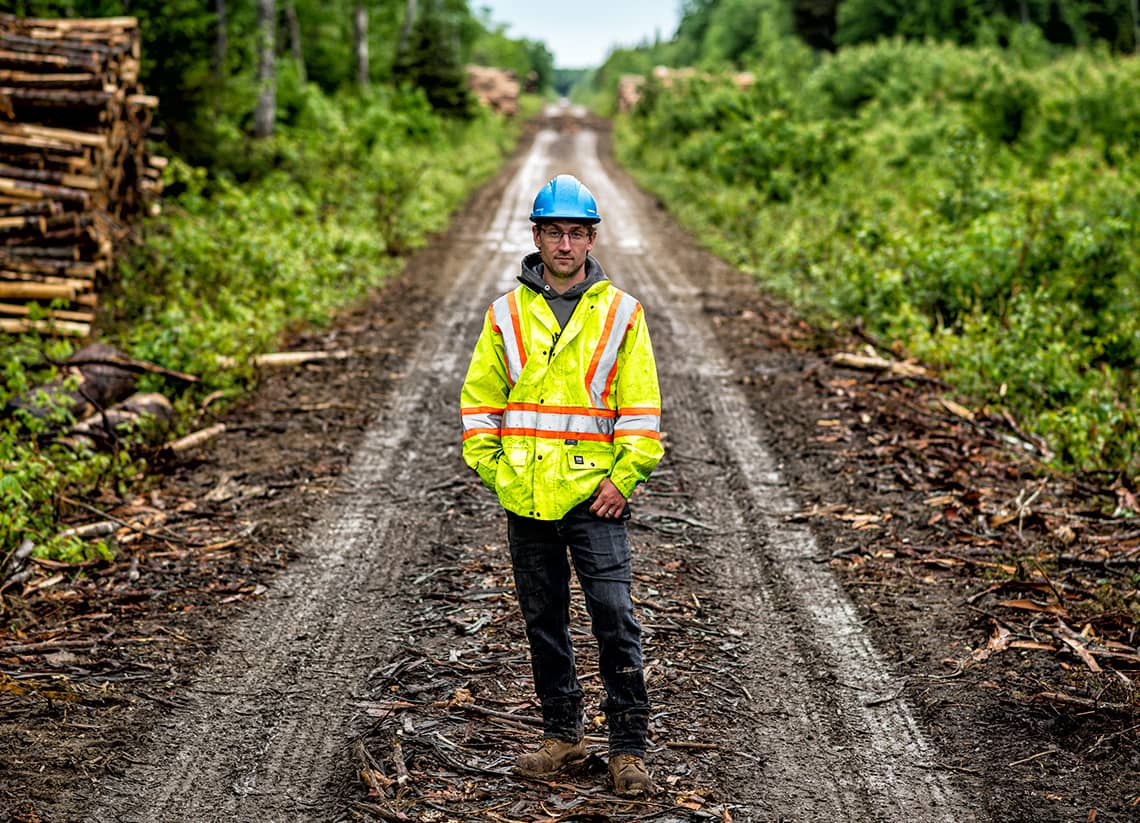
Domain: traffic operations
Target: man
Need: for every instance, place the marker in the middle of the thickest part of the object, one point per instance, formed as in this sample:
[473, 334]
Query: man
[561, 418]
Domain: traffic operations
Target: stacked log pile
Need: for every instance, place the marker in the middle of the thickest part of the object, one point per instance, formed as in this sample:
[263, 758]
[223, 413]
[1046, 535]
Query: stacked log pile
[496, 88]
[73, 164]
[631, 86]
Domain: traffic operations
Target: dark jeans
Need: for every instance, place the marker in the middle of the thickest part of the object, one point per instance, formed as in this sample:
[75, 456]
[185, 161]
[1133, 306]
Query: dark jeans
[600, 551]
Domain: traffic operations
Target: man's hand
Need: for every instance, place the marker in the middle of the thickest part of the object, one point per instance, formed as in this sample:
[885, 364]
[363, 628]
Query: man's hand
[609, 502]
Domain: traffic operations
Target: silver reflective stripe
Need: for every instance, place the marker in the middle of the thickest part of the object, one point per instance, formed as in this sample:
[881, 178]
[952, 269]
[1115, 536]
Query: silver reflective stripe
[609, 351]
[481, 421]
[557, 422]
[638, 422]
[511, 344]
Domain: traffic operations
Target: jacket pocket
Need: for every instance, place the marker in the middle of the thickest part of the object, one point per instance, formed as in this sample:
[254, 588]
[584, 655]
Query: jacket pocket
[590, 459]
[512, 463]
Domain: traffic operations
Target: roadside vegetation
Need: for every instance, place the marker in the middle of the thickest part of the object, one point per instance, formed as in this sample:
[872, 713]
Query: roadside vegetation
[972, 202]
[258, 234]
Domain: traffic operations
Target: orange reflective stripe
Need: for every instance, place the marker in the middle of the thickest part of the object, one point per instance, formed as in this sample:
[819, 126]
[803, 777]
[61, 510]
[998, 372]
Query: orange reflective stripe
[613, 371]
[603, 366]
[483, 410]
[652, 435]
[609, 384]
[556, 435]
[631, 411]
[605, 335]
[512, 301]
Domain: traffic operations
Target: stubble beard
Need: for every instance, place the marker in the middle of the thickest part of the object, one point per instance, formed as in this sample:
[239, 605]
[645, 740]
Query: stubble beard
[564, 269]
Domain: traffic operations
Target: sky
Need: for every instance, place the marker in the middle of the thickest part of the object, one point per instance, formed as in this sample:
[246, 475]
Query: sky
[582, 33]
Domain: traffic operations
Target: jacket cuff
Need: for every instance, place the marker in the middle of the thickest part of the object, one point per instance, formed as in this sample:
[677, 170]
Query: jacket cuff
[625, 483]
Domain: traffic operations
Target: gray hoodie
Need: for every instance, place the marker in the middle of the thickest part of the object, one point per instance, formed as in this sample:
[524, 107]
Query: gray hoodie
[562, 305]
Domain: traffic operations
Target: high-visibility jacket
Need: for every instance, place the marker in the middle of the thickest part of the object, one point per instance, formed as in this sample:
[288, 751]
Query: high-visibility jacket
[548, 413]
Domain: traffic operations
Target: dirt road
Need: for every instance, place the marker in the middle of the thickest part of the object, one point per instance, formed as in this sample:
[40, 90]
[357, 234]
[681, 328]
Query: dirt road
[346, 646]
[262, 732]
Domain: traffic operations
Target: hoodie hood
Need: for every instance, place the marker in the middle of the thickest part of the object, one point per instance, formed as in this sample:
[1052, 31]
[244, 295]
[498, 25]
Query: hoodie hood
[562, 305]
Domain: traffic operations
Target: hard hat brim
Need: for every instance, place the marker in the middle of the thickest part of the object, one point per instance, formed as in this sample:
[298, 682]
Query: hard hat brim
[574, 218]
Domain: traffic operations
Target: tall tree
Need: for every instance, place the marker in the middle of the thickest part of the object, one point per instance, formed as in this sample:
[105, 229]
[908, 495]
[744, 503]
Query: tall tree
[434, 58]
[218, 61]
[1136, 26]
[360, 43]
[265, 114]
[295, 47]
[409, 21]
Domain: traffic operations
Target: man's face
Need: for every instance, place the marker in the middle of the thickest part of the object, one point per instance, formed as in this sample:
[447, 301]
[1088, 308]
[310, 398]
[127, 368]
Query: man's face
[563, 245]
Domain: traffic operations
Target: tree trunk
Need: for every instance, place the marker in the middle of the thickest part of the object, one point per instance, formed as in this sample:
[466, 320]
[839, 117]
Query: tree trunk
[295, 39]
[409, 21]
[266, 112]
[360, 43]
[221, 44]
[1024, 4]
[1136, 26]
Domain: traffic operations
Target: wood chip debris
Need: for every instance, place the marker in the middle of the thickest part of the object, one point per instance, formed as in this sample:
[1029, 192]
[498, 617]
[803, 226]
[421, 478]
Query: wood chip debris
[454, 706]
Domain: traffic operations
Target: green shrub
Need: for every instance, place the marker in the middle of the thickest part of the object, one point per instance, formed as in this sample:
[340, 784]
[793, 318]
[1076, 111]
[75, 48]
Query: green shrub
[981, 208]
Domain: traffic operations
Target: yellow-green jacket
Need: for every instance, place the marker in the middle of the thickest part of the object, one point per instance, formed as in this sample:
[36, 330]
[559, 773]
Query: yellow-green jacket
[548, 413]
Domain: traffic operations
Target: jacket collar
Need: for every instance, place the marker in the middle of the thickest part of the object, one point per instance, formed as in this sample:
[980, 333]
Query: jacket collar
[595, 283]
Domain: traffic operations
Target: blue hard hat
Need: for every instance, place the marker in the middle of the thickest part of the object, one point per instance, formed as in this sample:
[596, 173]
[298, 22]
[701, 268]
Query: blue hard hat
[565, 198]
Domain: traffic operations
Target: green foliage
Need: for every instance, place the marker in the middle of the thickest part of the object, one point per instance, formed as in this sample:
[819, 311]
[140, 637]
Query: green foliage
[979, 208]
[713, 33]
[740, 31]
[302, 225]
[38, 475]
[986, 22]
[720, 130]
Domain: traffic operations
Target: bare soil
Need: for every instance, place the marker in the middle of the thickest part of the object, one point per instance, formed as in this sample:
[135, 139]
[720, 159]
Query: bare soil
[853, 603]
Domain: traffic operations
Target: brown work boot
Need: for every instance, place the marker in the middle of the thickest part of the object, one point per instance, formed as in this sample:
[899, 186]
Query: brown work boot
[631, 778]
[551, 757]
